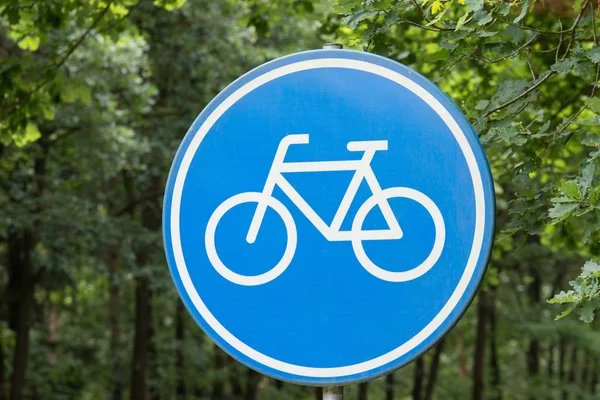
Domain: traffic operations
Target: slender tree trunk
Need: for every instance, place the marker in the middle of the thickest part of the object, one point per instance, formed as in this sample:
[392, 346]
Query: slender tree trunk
[494, 361]
[252, 381]
[154, 382]
[479, 356]
[550, 366]
[51, 357]
[217, 384]
[533, 352]
[236, 382]
[562, 360]
[418, 378]
[21, 286]
[363, 391]
[279, 384]
[585, 374]
[574, 368]
[389, 386]
[433, 370]
[139, 390]
[113, 322]
[180, 340]
[463, 368]
[2, 372]
[143, 344]
[594, 373]
[318, 393]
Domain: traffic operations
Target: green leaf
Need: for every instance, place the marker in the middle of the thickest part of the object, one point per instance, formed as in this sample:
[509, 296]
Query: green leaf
[482, 105]
[591, 269]
[461, 21]
[29, 135]
[563, 66]
[563, 297]
[570, 189]
[483, 18]
[594, 105]
[48, 113]
[594, 54]
[353, 20]
[474, 5]
[577, 5]
[566, 312]
[560, 211]
[587, 175]
[169, 5]
[345, 6]
[524, 7]
[586, 313]
[29, 42]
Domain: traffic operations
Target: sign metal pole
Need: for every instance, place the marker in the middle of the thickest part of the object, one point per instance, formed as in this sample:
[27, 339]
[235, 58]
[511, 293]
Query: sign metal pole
[333, 393]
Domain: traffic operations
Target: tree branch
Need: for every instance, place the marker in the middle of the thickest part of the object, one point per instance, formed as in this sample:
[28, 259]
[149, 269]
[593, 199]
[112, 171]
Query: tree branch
[519, 97]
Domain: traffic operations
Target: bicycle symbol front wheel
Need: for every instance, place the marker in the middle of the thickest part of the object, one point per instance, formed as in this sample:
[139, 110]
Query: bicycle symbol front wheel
[290, 249]
[438, 245]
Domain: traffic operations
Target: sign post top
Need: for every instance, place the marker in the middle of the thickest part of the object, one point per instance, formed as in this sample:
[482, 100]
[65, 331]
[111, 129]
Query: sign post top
[328, 217]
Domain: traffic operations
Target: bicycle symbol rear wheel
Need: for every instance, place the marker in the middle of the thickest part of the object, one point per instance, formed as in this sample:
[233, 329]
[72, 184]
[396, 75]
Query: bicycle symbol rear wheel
[290, 249]
[438, 245]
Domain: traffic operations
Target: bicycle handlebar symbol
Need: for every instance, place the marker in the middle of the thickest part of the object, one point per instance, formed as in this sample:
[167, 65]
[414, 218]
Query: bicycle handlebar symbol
[332, 232]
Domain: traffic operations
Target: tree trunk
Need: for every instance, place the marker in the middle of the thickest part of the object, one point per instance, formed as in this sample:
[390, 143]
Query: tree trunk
[180, 340]
[594, 373]
[2, 372]
[463, 367]
[217, 385]
[236, 382]
[494, 361]
[113, 322]
[318, 393]
[479, 356]
[139, 389]
[562, 359]
[363, 391]
[574, 367]
[252, 381]
[21, 280]
[21, 288]
[389, 386]
[278, 384]
[533, 352]
[154, 383]
[51, 357]
[419, 377]
[585, 374]
[550, 365]
[433, 370]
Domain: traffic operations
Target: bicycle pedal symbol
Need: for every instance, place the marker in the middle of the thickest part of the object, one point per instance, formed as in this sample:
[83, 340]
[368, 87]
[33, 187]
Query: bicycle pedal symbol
[332, 232]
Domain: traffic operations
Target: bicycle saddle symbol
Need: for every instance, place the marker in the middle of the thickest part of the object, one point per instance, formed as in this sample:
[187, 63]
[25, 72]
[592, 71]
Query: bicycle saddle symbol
[332, 232]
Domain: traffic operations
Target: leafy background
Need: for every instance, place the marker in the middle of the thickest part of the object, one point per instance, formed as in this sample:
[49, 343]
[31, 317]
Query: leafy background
[95, 96]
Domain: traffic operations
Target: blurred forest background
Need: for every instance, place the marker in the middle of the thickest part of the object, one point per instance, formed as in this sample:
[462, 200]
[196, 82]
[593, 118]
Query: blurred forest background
[95, 96]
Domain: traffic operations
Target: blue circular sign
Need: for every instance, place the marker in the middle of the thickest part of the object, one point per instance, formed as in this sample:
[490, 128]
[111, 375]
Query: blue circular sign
[328, 217]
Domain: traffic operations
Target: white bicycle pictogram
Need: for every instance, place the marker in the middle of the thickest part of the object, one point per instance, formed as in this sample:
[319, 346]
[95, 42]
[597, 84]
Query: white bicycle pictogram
[332, 232]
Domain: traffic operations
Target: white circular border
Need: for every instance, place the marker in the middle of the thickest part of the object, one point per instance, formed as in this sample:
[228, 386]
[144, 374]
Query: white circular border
[454, 298]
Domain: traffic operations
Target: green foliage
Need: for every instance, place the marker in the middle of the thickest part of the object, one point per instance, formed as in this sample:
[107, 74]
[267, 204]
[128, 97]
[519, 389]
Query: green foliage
[584, 295]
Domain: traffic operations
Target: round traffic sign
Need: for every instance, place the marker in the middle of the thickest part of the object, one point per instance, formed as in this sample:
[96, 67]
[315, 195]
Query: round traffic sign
[328, 217]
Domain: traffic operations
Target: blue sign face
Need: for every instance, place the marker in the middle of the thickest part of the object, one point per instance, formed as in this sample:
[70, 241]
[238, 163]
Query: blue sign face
[328, 217]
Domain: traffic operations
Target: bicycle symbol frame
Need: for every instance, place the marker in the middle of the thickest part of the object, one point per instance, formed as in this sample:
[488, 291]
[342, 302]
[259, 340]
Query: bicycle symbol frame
[331, 232]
